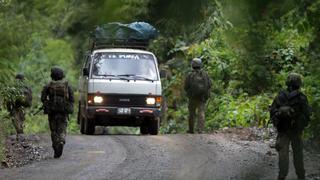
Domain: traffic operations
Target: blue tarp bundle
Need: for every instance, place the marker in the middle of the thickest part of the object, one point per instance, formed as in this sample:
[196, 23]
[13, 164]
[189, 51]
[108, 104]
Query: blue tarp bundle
[133, 32]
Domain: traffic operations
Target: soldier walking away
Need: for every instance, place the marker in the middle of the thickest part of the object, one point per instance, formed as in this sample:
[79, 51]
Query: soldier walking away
[197, 85]
[17, 108]
[57, 98]
[290, 114]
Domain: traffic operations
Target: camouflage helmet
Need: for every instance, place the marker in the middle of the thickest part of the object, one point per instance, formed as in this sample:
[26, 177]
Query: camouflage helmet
[196, 63]
[294, 80]
[57, 73]
[20, 76]
[274, 54]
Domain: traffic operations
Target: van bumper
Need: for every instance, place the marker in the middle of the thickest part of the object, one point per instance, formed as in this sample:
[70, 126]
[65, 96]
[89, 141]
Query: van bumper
[123, 111]
[109, 116]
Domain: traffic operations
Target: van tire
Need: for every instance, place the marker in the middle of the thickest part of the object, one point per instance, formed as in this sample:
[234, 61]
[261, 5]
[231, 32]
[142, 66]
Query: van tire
[154, 126]
[80, 120]
[89, 126]
[144, 130]
[79, 114]
[82, 130]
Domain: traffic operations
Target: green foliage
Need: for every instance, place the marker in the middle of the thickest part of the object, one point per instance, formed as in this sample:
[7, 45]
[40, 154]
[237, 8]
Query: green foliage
[34, 39]
[177, 121]
[248, 48]
[242, 111]
[11, 92]
[248, 55]
[6, 129]
[36, 124]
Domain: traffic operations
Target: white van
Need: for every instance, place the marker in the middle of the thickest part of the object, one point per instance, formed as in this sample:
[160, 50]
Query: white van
[120, 87]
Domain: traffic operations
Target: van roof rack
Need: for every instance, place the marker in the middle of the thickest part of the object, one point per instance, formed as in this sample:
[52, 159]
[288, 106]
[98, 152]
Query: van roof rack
[118, 43]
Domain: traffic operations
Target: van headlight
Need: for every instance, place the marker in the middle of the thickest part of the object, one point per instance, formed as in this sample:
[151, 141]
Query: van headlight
[150, 101]
[98, 99]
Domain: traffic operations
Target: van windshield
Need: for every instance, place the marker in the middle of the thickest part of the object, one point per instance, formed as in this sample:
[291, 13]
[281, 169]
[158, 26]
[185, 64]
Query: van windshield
[116, 65]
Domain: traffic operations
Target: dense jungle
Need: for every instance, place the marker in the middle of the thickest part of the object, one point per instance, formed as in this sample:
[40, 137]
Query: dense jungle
[248, 48]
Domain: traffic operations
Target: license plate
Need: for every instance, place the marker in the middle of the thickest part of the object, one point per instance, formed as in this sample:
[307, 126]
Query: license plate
[124, 111]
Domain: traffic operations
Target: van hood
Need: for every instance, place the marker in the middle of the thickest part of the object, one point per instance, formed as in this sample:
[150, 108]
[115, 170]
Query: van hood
[112, 86]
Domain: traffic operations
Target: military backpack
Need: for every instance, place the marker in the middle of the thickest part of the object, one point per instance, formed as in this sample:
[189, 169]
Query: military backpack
[25, 99]
[199, 85]
[290, 111]
[27, 93]
[59, 97]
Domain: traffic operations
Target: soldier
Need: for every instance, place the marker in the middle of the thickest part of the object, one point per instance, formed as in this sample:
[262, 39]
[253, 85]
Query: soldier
[57, 98]
[290, 114]
[197, 85]
[17, 108]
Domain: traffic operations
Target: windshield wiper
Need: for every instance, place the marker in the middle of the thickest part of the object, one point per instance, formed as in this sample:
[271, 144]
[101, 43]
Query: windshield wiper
[106, 75]
[114, 76]
[136, 76]
[128, 75]
[144, 78]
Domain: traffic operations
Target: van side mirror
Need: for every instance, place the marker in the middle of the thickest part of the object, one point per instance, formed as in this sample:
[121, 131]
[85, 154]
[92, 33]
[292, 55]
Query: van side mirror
[163, 73]
[85, 72]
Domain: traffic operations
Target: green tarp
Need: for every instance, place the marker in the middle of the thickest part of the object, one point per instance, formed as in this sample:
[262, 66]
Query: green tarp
[137, 32]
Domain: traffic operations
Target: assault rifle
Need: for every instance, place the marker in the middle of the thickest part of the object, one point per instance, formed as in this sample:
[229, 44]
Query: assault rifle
[38, 111]
[43, 108]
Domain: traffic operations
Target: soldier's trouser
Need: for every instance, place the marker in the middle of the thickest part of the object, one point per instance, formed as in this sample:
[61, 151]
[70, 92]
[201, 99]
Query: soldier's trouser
[196, 110]
[58, 128]
[282, 146]
[18, 119]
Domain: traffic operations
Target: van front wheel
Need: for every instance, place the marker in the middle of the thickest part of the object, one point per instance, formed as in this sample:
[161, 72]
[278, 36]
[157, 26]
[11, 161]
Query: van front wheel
[154, 126]
[144, 130]
[89, 126]
[82, 130]
[81, 120]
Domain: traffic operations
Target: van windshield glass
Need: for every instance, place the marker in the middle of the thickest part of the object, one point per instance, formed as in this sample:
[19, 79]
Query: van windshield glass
[115, 65]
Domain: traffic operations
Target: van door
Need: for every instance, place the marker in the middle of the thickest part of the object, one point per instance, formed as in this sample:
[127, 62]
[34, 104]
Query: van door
[83, 83]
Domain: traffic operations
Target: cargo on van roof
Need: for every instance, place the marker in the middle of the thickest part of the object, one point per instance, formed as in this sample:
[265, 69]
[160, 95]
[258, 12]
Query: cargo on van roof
[133, 35]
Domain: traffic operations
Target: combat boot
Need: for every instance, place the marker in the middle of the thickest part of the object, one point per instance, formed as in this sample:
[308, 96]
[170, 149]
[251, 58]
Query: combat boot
[58, 150]
[190, 132]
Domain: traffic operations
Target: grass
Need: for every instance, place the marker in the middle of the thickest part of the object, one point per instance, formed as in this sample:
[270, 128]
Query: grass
[6, 129]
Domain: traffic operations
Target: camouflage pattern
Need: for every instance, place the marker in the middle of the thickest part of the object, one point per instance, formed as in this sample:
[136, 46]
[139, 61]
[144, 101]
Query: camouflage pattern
[196, 112]
[282, 146]
[17, 108]
[58, 127]
[294, 81]
[189, 80]
[59, 100]
[18, 118]
[57, 73]
[196, 63]
[57, 120]
[290, 114]
[197, 103]
[20, 76]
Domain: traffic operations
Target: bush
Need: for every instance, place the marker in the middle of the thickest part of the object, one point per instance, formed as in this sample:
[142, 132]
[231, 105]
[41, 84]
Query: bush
[242, 111]
[6, 129]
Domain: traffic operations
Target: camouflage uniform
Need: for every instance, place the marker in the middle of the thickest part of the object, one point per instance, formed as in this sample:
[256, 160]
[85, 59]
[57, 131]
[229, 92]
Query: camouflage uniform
[18, 118]
[197, 103]
[290, 114]
[17, 109]
[57, 120]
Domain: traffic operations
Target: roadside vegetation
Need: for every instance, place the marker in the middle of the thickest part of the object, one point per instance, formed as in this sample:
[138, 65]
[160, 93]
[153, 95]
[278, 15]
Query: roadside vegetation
[248, 48]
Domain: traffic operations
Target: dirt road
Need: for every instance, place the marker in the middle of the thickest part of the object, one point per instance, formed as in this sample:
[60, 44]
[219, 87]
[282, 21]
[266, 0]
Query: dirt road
[119, 157]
